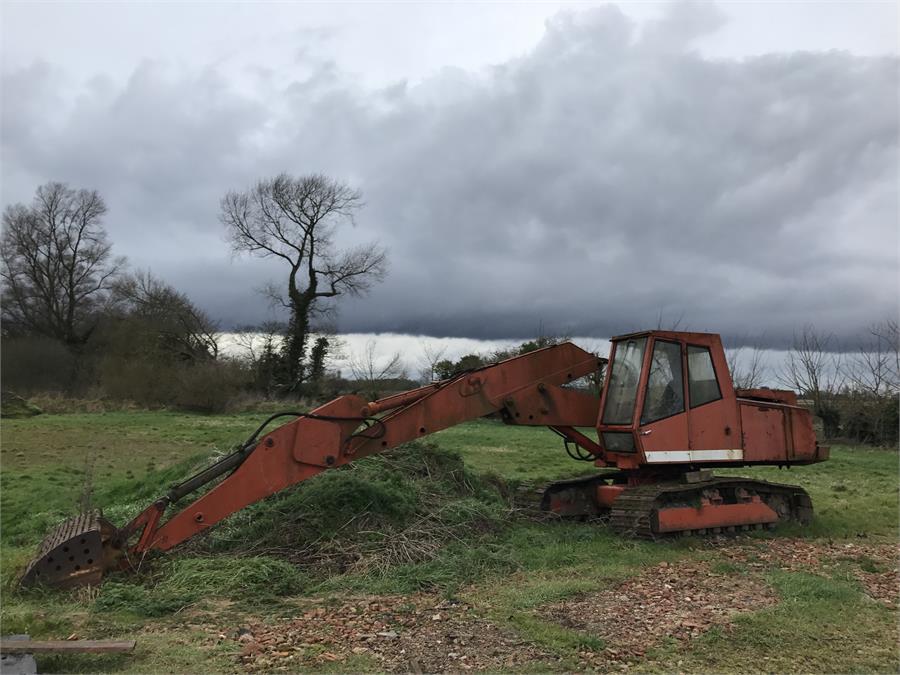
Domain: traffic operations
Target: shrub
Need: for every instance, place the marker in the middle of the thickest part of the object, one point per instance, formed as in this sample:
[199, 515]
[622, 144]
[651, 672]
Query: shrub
[141, 380]
[13, 406]
[208, 387]
[33, 364]
[869, 419]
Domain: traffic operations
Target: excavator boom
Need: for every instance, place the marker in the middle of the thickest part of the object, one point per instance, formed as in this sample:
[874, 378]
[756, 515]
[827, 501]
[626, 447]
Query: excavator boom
[526, 389]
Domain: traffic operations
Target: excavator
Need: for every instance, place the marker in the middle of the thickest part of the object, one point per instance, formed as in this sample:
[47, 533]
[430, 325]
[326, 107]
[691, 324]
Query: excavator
[668, 415]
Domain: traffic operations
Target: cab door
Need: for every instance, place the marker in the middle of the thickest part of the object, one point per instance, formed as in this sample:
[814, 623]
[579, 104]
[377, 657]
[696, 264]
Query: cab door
[712, 409]
[663, 424]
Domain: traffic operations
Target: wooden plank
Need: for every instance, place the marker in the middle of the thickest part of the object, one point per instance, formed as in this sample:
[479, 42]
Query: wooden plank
[70, 646]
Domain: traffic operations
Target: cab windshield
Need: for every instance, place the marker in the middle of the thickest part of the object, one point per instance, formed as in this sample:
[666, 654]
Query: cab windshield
[623, 381]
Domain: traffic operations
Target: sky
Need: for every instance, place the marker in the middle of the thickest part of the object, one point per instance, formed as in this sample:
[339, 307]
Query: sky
[580, 168]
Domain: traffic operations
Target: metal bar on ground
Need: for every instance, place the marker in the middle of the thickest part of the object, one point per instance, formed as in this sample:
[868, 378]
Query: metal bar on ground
[17, 664]
[68, 646]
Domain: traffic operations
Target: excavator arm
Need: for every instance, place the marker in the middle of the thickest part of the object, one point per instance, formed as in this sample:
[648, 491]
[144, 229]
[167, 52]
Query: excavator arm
[525, 390]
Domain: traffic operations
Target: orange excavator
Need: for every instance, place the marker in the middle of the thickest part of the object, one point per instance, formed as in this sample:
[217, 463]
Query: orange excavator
[667, 416]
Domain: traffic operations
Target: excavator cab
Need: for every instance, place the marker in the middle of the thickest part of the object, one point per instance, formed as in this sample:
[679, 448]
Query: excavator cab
[669, 413]
[668, 399]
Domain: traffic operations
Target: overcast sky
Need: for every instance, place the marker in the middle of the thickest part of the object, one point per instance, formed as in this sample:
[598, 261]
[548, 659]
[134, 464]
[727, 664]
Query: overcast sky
[587, 167]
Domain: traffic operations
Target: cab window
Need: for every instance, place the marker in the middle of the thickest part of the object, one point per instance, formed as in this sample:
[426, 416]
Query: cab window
[702, 382]
[665, 385]
[623, 381]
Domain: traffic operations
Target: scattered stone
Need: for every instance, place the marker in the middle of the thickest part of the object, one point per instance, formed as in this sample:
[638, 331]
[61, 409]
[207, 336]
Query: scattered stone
[365, 626]
[876, 566]
[678, 600]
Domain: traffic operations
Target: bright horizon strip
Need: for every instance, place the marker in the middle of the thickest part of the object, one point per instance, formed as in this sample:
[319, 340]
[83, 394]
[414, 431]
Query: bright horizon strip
[411, 349]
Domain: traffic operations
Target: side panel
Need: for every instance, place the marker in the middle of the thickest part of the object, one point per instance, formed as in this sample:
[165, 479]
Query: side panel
[764, 432]
[805, 444]
[774, 432]
[715, 426]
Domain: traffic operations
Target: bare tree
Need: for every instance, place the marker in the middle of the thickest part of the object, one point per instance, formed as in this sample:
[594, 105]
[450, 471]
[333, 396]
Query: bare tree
[873, 377]
[294, 220]
[812, 366]
[57, 263]
[600, 349]
[675, 323]
[254, 341]
[746, 365]
[260, 346]
[371, 368]
[874, 368]
[888, 332]
[432, 353]
[182, 329]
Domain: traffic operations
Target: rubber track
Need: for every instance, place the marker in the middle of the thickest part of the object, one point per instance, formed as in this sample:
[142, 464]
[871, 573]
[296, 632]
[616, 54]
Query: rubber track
[631, 512]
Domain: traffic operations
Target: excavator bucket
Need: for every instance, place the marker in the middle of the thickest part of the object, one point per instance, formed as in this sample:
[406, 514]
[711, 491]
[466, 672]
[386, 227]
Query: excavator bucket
[73, 554]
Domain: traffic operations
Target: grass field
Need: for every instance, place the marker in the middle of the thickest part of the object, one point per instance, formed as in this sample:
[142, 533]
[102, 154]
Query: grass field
[509, 593]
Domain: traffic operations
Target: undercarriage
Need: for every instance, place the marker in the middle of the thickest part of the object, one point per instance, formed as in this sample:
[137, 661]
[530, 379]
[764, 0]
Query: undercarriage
[694, 503]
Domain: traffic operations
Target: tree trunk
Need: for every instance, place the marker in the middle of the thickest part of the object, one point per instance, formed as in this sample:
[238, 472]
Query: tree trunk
[298, 333]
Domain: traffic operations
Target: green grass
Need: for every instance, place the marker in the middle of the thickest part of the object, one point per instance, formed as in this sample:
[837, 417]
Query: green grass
[821, 625]
[508, 568]
[516, 453]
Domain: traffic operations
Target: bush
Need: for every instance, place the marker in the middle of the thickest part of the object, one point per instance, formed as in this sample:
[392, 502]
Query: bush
[209, 387]
[34, 364]
[868, 419]
[831, 419]
[13, 406]
[146, 382]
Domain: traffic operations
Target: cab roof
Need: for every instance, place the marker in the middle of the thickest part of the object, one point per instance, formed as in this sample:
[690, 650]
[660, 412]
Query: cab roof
[671, 334]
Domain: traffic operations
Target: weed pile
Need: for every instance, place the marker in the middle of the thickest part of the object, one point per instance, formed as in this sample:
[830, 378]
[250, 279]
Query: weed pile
[399, 508]
[415, 517]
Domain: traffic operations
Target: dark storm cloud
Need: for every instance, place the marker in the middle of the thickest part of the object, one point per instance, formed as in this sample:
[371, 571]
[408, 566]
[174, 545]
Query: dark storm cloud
[611, 175]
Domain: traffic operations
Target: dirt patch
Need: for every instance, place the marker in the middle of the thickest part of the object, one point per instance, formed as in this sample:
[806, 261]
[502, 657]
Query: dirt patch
[669, 601]
[417, 633]
[678, 601]
[876, 566]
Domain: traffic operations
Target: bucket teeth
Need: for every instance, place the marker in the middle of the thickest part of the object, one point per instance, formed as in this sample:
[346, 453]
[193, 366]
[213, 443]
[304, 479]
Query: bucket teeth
[73, 554]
